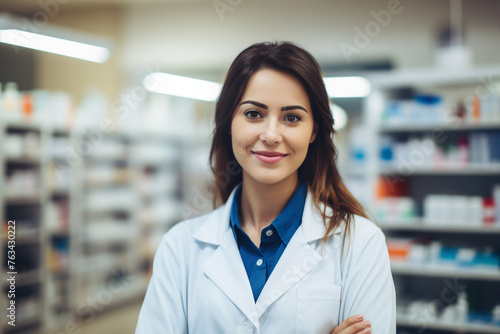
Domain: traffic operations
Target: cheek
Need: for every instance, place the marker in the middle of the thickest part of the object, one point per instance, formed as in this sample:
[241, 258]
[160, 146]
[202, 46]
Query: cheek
[239, 135]
[300, 142]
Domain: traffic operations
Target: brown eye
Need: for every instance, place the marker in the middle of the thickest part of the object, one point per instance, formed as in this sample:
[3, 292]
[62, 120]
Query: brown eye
[252, 114]
[292, 118]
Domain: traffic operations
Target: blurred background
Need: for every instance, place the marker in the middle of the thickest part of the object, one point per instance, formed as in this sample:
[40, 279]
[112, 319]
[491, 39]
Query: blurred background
[106, 113]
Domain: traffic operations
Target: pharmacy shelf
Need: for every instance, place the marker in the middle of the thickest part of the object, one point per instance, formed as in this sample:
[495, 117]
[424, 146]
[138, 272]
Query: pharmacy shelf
[22, 324]
[23, 160]
[15, 199]
[492, 170]
[431, 77]
[444, 228]
[404, 268]
[29, 278]
[23, 126]
[423, 180]
[452, 326]
[405, 128]
[24, 240]
[31, 204]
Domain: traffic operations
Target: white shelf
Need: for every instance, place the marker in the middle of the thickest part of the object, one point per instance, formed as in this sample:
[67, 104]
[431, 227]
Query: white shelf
[398, 128]
[23, 126]
[23, 160]
[24, 240]
[404, 268]
[22, 323]
[455, 327]
[448, 228]
[22, 200]
[28, 278]
[433, 77]
[493, 170]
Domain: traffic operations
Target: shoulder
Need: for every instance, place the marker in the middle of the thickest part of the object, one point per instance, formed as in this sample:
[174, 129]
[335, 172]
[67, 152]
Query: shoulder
[189, 229]
[363, 228]
[366, 238]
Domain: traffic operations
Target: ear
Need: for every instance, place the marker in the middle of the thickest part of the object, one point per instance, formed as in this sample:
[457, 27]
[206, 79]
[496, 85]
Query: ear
[314, 133]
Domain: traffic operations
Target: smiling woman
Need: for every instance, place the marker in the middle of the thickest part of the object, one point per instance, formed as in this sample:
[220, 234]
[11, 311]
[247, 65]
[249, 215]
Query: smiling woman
[290, 249]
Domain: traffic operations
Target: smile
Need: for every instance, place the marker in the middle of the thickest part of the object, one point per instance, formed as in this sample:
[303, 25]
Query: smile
[269, 157]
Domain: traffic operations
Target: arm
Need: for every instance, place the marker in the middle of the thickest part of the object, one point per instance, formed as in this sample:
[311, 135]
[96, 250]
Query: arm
[368, 285]
[163, 309]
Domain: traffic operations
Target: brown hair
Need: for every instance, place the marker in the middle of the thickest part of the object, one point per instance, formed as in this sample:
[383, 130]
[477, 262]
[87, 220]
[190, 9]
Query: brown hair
[319, 170]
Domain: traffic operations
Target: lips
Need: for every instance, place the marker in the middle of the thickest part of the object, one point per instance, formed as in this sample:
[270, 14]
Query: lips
[269, 156]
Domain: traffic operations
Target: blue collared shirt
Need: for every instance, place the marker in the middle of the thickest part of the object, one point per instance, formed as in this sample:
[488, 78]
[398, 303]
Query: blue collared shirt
[260, 261]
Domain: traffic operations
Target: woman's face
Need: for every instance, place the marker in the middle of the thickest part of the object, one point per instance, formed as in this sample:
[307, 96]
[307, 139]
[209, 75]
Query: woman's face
[272, 127]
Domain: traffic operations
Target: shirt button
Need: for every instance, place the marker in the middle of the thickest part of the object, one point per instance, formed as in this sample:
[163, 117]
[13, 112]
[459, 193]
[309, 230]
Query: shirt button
[269, 233]
[259, 262]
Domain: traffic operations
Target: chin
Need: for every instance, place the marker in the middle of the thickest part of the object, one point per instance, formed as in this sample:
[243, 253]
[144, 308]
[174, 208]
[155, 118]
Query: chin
[268, 178]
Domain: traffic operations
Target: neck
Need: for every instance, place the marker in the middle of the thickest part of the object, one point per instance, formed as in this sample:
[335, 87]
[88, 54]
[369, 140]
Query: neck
[262, 203]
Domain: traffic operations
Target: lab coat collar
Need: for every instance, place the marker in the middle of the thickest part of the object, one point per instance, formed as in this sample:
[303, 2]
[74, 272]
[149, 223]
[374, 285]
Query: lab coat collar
[217, 225]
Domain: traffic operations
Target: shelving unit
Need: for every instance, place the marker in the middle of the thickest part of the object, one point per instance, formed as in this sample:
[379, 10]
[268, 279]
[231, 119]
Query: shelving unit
[419, 226]
[90, 227]
[443, 271]
[108, 226]
[21, 199]
[451, 326]
[130, 190]
[423, 178]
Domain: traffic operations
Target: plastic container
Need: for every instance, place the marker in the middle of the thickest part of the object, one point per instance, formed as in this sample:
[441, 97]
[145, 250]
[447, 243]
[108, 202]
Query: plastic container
[11, 102]
[488, 211]
[462, 307]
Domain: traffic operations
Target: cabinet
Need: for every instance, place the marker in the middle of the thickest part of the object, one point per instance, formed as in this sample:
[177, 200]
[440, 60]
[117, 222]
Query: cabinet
[36, 200]
[433, 163]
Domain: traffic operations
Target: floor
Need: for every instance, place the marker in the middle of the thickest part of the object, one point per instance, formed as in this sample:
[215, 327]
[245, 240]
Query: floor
[119, 321]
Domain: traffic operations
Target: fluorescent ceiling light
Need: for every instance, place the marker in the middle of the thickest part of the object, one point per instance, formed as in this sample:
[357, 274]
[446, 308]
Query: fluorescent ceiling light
[54, 39]
[182, 86]
[55, 45]
[347, 87]
[209, 91]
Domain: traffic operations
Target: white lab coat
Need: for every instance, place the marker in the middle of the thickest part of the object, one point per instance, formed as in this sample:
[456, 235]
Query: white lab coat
[199, 283]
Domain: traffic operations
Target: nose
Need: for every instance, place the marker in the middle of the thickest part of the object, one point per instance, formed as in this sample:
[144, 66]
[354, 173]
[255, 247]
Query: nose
[271, 133]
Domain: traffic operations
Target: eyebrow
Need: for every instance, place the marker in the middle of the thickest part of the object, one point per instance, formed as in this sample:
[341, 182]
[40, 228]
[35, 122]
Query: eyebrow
[263, 106]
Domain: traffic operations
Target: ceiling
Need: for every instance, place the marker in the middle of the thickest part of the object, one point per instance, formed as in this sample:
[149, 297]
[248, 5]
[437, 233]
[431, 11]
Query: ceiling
[189, 35]
[31, 6]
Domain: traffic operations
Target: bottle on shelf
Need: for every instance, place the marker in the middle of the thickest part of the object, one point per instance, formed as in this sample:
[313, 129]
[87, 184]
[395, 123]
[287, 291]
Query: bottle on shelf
[462, 307]
[11, 101]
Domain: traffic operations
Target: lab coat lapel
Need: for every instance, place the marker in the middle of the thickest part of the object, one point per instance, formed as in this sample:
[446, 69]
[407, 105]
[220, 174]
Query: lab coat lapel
[298, 259]
[225, 267]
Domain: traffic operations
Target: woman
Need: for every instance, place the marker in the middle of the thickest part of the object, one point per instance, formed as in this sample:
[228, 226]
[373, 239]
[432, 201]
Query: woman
[290, 249]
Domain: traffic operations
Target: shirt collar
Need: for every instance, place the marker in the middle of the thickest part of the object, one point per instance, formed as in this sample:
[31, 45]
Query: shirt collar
[287, 221]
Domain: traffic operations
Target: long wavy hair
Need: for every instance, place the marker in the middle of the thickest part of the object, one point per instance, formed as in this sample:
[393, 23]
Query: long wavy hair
[319, 168]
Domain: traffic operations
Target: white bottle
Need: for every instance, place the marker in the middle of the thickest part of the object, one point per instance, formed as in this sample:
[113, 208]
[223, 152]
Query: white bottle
[462, 307]
[496, 315]
[11, 102]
